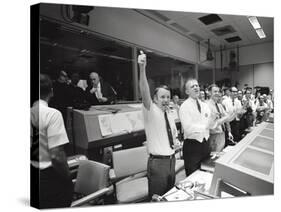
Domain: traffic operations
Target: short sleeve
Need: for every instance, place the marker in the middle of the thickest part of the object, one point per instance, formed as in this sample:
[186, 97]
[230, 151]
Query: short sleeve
[56, 131]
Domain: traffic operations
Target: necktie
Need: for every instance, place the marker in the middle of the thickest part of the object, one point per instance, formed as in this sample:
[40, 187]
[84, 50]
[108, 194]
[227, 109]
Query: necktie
[198, 105]
[233, 102]
[218, 109]
[169, 131]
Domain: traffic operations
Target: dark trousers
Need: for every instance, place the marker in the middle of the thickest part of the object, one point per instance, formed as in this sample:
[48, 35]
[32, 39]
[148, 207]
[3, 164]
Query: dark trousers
[235, 130]
[194, 153]
[161, 175]
[55, 191]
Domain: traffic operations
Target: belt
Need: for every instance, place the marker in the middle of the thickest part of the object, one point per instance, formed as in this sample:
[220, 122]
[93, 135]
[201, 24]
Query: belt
[162, 156]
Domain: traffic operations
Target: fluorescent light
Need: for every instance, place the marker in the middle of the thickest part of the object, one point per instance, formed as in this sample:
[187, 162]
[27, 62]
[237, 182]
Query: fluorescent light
[254, 21]
[260, 33]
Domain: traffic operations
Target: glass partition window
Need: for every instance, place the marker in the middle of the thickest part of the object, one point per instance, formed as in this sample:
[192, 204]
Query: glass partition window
[163, 70]
[73, 49]
[64, 47]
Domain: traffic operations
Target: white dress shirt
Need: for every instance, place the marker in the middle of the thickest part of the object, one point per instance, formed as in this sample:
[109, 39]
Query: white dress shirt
[194, 123]
[97, 91]
[230, 107]
[213, 109]
[156, 131]
[51, 131]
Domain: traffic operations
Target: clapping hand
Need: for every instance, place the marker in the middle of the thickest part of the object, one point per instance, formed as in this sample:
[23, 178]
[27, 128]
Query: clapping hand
[177, 145]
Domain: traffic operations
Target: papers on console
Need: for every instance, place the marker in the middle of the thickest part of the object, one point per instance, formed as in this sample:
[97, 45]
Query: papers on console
[120, 122]
[178, 195]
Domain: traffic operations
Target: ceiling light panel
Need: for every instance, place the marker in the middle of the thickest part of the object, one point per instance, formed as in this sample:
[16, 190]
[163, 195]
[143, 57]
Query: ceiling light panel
[254, 21]
[260, 33]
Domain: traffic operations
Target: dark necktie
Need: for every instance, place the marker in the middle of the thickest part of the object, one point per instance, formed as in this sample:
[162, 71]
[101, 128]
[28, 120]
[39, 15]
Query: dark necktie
[169, 131]
[198, 105]
[233, 102]
[218, 109]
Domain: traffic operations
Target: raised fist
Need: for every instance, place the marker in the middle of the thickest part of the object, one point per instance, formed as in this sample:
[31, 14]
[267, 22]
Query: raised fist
[142, 59]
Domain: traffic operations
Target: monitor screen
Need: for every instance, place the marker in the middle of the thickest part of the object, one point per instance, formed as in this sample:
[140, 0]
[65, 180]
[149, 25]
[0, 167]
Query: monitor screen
[267, 133]
[255, 160]
[263, 143]
[270, 126]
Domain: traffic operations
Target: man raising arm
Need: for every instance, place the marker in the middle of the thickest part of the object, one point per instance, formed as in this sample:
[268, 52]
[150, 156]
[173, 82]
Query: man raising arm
[160, 133]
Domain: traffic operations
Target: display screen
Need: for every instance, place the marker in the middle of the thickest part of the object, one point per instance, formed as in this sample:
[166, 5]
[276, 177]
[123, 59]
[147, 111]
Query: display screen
[255, 160]
[268, 133]
[263, 143]
[270, 126]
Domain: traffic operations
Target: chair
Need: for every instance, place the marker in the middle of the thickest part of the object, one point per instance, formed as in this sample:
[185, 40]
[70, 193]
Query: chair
[92, 182]
[129, 174]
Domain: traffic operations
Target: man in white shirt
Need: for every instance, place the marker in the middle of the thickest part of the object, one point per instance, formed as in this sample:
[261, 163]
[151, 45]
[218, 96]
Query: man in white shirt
[226, 94]
[231, 105]
[249, 105]
[102, 91]
[48, 160]
[160, 133]
[196, 120]
[221, 122]
[262, 109]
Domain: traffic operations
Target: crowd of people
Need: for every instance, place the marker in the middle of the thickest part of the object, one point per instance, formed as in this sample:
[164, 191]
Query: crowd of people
[211, 119]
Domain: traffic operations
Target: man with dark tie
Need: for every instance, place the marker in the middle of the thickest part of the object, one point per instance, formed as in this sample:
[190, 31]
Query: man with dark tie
[221, 121]
[196, 121]
[161, 134]
[234, 105]
[99, 90]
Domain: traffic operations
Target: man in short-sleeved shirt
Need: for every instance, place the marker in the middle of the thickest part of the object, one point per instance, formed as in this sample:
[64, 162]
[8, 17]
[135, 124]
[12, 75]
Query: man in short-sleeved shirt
[47, 154]
[160, 133]
[51, 131]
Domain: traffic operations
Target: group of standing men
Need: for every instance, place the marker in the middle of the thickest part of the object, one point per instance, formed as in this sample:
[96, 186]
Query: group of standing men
[205, 126]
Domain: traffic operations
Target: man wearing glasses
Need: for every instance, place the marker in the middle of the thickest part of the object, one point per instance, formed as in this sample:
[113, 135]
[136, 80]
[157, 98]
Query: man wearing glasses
[233, 105]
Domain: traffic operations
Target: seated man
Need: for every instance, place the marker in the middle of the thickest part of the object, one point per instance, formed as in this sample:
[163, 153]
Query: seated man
[77, 96]
[101, 90]
[60, 100]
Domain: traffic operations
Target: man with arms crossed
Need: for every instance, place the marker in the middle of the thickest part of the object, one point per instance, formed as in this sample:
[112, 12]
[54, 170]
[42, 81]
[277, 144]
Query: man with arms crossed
[161, 134]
